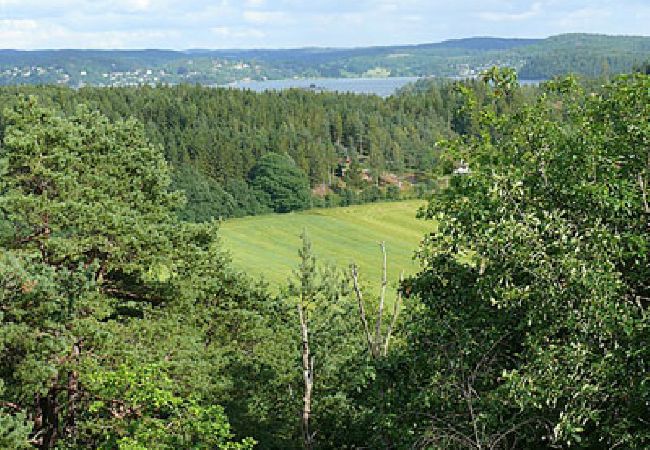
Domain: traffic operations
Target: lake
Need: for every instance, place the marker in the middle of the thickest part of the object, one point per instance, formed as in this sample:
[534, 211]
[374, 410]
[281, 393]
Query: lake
[383, 87]
[378, 86]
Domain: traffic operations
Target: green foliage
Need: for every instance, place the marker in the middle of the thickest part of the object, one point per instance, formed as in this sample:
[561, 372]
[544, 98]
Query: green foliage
[393, 192]
[247, 200]
[14, 427]
[503, 79]
[138, 408]
[123, 326]
[96, 275]
[532, 302]
[643, 68]
[282, 184]
[14, 432]
[66, 198]
[583, 54]
[215, 136]
[206, 199]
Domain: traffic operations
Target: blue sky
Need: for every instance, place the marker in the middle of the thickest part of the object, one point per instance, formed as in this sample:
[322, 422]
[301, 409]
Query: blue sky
[29, 24]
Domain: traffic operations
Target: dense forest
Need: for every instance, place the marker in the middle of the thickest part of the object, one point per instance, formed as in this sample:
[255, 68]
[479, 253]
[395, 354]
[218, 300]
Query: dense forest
[123, 324]
[346, 148]
[216, 139]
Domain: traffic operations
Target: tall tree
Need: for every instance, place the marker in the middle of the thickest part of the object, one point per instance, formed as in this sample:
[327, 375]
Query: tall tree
[331, 349]
[94, 243]
[533, 325]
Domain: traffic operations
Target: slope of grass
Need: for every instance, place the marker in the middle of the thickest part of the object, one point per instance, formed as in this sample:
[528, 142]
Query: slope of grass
[267, 246]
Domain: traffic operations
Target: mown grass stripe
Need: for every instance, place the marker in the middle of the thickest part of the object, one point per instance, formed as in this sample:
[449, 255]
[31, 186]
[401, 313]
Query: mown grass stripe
[267, 246]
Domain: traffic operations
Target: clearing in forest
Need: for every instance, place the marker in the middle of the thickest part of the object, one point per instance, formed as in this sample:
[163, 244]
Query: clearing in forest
[267, 246]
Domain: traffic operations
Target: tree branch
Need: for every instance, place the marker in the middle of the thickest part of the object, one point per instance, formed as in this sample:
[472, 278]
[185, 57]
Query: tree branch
[11, 405]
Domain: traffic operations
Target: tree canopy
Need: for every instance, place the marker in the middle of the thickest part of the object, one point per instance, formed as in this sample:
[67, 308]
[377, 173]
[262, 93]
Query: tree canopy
[95, 244]
[282, 183]
[533, 324]
[123, 325]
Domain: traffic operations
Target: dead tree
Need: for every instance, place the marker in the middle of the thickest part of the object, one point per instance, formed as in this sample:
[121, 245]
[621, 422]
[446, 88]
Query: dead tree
[377, 344]
[305, 289]
[308, 378]
[393, 322]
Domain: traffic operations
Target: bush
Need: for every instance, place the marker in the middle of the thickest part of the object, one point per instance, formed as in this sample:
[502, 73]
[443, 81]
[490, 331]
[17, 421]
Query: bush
[371, 194]
[393, 192]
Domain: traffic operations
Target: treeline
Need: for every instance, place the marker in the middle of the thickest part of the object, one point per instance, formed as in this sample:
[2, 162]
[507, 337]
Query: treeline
[344, 144]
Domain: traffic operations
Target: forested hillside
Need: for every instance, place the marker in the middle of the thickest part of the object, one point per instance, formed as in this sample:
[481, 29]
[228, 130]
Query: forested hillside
[215, 139]
[123, 324]
[350, 148]
[583, 54]
[587, 55]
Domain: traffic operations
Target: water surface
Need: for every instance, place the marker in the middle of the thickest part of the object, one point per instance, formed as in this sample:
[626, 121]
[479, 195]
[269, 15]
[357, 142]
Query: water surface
[383, 87]
[378, 86]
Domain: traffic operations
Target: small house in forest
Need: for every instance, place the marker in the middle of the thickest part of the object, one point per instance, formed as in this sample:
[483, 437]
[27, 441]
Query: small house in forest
[462, 169]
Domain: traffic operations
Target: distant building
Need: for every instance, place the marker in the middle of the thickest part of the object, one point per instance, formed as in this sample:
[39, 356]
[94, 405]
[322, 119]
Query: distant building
[462, 169]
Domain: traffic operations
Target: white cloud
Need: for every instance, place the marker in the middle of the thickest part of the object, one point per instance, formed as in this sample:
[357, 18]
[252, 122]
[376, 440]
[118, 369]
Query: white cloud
[266, 17]
[294, 23]
[140, 5]
[583, 16]
[388, 7]
[37, 34]
[228, 32]
[17, 25]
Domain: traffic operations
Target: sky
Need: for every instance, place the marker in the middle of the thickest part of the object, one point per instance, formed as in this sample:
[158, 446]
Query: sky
[185, 24]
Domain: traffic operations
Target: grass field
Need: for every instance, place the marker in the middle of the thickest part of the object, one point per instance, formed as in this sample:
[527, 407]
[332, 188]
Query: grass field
[268, 245]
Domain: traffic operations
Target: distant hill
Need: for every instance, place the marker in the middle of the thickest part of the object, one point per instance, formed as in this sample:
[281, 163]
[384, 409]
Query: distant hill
[584, 54]
[483, 43]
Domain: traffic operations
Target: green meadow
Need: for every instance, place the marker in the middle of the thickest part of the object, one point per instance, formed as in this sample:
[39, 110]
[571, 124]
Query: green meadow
[267, 246]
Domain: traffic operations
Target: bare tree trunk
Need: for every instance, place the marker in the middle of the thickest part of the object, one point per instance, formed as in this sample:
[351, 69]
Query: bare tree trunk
[382, 297]
[376, 343]
[393, 321]
[308, 378]
[362, 310]
[47, 420]
[642, 184]
[73, 392]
